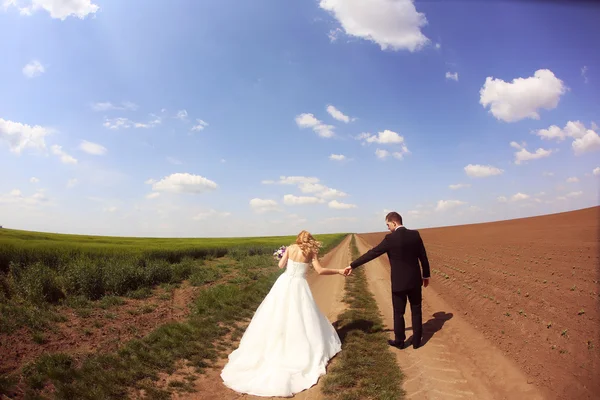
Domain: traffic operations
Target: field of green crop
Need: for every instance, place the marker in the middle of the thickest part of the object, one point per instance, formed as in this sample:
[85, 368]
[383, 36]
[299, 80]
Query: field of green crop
[39, 269]
[54, 250]
[49, 281]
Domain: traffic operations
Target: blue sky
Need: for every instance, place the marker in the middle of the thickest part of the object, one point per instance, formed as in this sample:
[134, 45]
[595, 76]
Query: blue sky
[223, 118]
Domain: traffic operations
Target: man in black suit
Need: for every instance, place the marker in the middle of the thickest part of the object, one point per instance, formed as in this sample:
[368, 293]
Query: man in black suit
[405, 249]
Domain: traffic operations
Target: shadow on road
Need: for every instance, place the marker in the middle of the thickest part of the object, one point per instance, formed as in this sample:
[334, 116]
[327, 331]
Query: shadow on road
[434, 325]
[430, 327]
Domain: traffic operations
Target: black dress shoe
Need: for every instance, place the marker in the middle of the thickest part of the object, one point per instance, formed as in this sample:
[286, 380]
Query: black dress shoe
[394, 343]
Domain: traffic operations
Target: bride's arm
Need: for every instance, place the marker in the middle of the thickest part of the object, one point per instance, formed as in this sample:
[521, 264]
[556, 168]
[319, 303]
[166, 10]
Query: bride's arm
[284, 259]
[325, 271]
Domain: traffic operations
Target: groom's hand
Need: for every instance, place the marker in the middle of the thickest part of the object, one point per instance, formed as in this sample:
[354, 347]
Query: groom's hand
[347, 270]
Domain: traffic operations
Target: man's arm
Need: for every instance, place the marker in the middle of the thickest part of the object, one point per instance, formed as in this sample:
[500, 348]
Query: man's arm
[371, 254]
[423, 257]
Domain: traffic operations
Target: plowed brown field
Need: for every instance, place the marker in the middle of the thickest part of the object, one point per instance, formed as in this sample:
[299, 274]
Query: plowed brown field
[530, 286]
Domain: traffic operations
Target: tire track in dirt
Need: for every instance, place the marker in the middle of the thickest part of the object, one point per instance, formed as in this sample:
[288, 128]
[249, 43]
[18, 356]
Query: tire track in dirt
[455, 361]
[328, 292]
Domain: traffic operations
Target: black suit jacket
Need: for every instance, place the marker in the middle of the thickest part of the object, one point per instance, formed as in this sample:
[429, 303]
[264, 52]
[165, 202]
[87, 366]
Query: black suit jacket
[405, 249]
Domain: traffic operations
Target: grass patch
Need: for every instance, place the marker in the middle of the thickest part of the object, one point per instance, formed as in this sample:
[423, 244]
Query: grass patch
[136, 364]
[365, 369]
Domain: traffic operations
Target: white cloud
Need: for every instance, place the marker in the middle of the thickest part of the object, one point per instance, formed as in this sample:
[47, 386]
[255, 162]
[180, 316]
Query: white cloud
[584, 140]
[588, 143]
[309, 121]
[33, 179]
[572, 179]
[392, 24]
[573, 129]
[58, 9]
[92, 148]
[20, 136]
[400, 154]
[340, 206]
[385, 137]
[453, 76]
[482, 171]
[574, 194]
[183, 183]
[64, 157]
[307, 184]
[72, 182]
[416, 214]
[107, 106]
[382, 154]
[33, 69]
[200, 125]
[182, 115]
[328, 193]
[152, 195]
[210, 213]
[459, 186]
[117, 123]
[445, 205]
[293, 180]
[290, 199]
[524, 155]
[337, 114]
[125, 123]
[263, 205]
[502, 199]
[337, 157]
[596, 171]
[333, 34]
[583, 73]
[156, 121]
[519, 196]
[320, 190]
[523, 97]
[545, 173]
[16, 197]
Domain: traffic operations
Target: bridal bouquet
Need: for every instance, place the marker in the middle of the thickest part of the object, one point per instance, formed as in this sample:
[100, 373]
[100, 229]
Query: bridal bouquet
[279, 253]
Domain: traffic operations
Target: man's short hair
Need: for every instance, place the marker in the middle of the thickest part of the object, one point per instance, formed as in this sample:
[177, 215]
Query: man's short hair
[394, 217]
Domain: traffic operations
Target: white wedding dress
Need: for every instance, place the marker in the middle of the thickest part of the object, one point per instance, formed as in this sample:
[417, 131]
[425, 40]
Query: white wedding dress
[288, 343]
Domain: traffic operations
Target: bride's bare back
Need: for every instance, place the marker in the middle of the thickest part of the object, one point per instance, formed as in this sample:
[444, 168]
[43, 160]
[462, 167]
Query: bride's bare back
[295, 254]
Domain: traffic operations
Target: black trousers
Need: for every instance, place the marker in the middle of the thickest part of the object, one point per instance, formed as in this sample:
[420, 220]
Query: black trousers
[399, 305]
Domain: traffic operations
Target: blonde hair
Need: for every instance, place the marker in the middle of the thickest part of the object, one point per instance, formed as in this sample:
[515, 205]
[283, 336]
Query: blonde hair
[307, 243]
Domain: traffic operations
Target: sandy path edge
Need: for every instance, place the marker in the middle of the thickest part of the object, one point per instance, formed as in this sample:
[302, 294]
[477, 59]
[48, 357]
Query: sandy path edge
[456, 361]
[328, 292]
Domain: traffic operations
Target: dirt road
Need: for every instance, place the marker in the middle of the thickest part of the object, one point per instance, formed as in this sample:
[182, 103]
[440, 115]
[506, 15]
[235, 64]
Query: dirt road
[455, 361]
[328, 291]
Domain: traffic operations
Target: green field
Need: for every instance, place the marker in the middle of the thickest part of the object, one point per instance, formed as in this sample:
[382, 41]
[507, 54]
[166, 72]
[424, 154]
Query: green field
[50, 278]
[38, 269]
[54, 249]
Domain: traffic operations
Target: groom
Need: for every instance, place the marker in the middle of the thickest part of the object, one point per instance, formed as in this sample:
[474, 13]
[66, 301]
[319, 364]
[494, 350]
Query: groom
[405, 249]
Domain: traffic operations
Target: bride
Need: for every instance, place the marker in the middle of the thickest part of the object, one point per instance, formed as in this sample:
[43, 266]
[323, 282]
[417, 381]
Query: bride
[289, 341]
